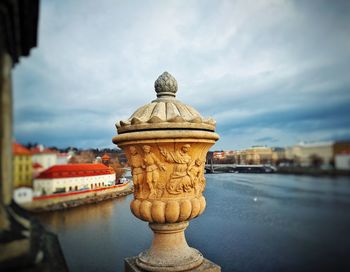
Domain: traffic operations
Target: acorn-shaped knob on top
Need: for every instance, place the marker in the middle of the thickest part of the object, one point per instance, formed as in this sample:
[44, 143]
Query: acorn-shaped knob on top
[165, 85]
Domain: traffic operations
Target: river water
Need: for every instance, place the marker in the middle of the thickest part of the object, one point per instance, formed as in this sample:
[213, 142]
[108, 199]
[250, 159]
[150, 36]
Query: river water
[253, 222]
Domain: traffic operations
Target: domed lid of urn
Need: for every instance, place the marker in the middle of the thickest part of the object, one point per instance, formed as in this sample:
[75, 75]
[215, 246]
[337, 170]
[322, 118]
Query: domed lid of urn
[165, 111]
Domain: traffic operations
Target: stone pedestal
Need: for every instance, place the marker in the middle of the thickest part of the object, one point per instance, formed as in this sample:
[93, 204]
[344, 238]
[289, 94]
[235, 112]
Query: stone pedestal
[206, 266]
[169, 250]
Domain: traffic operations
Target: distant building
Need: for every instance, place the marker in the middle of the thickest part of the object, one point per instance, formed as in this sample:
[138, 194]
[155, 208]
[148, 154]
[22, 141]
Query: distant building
[22, 166]
[293, 154]
[46, 157]
[341, 151]
[37, 169]
[256, 155]
[98, 159]
[342, 162]
[73, 177]
[218, 155]
[315, 154]
[62, 158]
[278, 155]
[106, 159]
[341, 147]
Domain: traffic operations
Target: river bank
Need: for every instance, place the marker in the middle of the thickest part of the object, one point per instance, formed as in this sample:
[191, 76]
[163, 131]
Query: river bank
[65, 201]
[312, 171]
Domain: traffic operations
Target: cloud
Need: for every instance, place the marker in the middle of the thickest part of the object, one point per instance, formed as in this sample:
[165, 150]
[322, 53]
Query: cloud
[274, 70]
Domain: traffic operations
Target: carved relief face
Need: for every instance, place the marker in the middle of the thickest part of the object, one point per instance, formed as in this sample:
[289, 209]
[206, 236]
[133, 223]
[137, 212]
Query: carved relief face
[185, 148]
[146, 148]
[198, 162]
[133, 150]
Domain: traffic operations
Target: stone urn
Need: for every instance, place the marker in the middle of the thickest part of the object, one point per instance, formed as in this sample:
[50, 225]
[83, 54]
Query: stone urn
[166, 142]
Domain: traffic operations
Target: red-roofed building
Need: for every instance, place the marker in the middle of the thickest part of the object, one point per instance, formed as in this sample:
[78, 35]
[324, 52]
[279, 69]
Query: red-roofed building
[73, 177]
[218, 154]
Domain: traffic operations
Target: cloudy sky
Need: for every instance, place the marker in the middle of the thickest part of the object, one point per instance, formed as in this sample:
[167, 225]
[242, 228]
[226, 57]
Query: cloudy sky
[270, 72]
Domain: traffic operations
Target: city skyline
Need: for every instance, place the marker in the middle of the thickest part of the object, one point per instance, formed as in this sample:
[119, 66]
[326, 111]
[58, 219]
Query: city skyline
[273, 72]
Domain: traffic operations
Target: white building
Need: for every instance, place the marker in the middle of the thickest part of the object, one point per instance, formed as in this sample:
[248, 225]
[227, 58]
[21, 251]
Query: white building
[73, 177]
[63, 158]
[37, 169]
[44, 156]
[342, 161]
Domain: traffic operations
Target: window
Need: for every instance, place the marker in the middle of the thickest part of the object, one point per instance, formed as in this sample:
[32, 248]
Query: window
[76, 188]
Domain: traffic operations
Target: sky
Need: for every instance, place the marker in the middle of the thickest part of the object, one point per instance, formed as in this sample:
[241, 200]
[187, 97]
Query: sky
[270, 72]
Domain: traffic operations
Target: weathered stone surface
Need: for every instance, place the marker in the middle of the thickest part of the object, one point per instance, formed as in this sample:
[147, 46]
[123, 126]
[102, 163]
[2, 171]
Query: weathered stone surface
[169, 250]
[165, 85]
[166, 111]
[206, 266]
[166, 143]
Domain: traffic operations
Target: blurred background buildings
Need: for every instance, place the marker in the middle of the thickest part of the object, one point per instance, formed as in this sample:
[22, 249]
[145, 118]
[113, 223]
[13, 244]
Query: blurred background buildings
[327, 155]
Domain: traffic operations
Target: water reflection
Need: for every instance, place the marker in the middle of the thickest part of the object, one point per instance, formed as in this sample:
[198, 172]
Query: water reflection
[74, 218]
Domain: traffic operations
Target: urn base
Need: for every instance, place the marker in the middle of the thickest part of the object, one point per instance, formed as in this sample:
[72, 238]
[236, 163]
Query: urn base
[169, 250]
[206, 266]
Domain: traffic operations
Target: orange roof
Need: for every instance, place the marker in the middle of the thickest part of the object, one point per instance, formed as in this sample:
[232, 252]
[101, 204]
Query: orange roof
[105, 157]
[75, 170]
[18, 149]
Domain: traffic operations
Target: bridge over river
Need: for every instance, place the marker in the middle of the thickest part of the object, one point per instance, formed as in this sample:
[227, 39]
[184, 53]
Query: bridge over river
[235, 168]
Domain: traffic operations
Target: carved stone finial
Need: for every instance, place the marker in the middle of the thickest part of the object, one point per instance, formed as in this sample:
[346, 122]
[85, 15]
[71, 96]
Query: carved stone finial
[165, 85]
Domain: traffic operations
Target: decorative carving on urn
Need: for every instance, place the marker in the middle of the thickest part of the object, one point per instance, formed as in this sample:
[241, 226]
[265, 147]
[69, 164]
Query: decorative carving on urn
[166, 143]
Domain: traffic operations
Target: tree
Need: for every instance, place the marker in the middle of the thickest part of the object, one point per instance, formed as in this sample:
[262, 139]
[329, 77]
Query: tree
[73, 160]
[316, 161]
[119, 171]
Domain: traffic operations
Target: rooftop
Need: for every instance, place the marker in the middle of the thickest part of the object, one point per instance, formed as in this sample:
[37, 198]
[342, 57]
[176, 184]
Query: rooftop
[38, 150]
[75, 170]
[19, 149]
